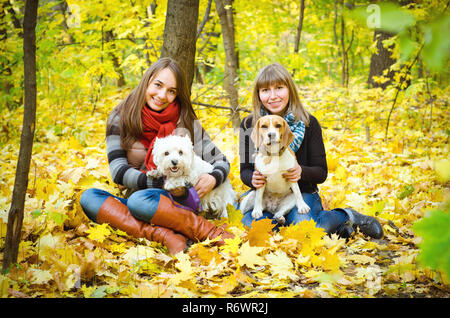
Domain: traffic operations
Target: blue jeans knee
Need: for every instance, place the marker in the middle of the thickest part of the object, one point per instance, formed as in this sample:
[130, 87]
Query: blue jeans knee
[328, 220]
[144, 203]
[92, 199]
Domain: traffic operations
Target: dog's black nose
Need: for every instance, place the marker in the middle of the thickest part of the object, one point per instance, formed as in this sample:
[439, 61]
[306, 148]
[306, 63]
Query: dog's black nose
[271, 135]
[174, 162]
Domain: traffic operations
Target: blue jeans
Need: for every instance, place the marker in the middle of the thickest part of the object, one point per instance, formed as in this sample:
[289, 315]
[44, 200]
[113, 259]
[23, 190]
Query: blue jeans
[330, 221]
[142, 204]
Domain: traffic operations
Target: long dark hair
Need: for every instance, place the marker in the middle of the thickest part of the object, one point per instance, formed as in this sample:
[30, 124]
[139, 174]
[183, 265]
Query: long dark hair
[130, 108]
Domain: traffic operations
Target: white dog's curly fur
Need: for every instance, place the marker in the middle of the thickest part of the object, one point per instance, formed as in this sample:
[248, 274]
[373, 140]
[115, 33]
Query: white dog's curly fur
[175, 159]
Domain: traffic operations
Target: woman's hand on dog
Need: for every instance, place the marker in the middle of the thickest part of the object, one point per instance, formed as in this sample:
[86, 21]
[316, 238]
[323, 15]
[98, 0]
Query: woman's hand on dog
[178, 192]
[205, 184]
[258, 180]
[294, 174]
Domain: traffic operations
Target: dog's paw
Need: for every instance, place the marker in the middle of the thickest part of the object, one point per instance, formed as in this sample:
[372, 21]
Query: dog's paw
[257, 213]
[224, 214]
[154, 173]
[279, 218]
[302, 207]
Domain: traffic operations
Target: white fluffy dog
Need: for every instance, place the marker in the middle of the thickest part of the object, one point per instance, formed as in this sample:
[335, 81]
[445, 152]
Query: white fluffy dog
[175, 159]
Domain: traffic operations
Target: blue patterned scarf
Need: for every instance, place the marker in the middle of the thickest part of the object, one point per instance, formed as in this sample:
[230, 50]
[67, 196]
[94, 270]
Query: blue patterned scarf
[297, 128]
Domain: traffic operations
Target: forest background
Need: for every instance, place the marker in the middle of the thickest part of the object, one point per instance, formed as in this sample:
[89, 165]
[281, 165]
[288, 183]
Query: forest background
[375, 74]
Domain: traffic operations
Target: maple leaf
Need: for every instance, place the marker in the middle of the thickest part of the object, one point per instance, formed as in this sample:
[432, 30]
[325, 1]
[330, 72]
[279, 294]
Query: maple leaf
[227, 285]
[186, 270]
[204, 254]
[39, 276]
[260, 232]
[248, 255]
[330, 261]
[68, 255]
[234, 217]
[138, 253]
[361, 259]
[231, 246]
[304, 231]
[99, 232]
[118, 248]
[355, 200]
[281, 265]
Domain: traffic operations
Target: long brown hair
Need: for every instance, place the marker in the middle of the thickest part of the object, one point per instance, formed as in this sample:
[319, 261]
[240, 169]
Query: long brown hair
[276, 74]
[130, 108]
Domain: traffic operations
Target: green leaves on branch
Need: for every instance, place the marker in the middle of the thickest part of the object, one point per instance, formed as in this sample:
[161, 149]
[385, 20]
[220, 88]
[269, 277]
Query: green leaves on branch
[433, 229]
[403, 22]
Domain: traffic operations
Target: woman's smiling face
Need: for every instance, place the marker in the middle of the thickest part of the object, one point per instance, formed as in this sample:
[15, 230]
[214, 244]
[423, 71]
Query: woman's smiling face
[162, 90]
[275, 98]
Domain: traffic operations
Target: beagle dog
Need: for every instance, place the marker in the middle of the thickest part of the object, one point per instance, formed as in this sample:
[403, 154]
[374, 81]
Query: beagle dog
[272, 136]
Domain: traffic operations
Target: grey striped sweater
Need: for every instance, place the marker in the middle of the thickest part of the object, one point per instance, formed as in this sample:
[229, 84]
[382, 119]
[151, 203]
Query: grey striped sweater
[124, 174]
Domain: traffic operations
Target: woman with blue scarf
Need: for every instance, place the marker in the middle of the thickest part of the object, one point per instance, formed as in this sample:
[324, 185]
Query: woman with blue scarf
[274, 93]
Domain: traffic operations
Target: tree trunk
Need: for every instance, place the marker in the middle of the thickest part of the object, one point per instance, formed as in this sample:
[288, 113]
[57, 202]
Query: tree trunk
[15, 216]
[381, 60]
[343, 50]
[109, 37]
[179, 34]
[225, 12]
[300, 26]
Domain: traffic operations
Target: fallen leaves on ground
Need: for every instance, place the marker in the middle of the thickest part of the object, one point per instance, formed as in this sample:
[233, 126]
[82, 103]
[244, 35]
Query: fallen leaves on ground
[63, 254]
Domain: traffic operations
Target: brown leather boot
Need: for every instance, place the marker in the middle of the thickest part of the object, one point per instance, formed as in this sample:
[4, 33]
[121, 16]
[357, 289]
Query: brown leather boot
[115, 213]
[186, 222]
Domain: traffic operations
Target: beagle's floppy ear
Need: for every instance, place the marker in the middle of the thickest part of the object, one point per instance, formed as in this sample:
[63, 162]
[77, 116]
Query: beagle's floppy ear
[256, 135]
[287, 136]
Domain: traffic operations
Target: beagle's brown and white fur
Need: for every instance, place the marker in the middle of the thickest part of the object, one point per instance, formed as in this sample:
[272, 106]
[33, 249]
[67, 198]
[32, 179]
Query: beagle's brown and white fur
[272, 136]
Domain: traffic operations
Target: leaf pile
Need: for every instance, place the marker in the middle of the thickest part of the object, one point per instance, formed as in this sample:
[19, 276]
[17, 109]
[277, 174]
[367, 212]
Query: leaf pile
[63, 254]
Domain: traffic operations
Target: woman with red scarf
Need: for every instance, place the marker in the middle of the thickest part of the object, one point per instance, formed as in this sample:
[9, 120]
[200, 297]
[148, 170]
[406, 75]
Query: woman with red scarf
[159, 106]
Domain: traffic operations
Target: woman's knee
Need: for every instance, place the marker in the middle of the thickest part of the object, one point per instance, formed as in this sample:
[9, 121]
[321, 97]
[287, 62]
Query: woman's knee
[143, 204]
[91, 200]
[293, 217]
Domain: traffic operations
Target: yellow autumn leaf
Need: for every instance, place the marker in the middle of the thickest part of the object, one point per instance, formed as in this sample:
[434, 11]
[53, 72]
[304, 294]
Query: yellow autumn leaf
[39, 276]
[3, 228]
[361, 259]
[310, 231]
[331, 261]
[442, 168]
[303, 260]
[231, 246]
[138, 253]
[248, 255]
[118, 248]
[99, 232]
[67, 255]
[227, 285]
[281, 265]
[234, 217]
[260, 232]
[88, 291]
[204, 254]
[186, 270]
[340, 173]
[355, 200]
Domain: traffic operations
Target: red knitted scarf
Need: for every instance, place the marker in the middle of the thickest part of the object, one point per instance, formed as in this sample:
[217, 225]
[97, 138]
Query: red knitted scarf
[157, 124]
